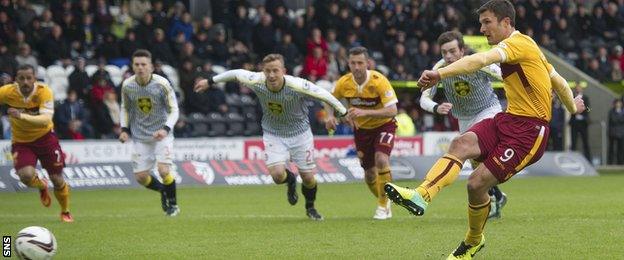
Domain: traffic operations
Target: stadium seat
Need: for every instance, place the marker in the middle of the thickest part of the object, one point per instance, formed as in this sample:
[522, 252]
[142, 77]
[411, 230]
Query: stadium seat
[42, 74]
[383, 69]
[252, 128]
[236, 124]
[115, 73]
[172, 74]
[217, 124]
[55, 71]
[297, 70]
[59, 86]
[218, 69]
[91, 69]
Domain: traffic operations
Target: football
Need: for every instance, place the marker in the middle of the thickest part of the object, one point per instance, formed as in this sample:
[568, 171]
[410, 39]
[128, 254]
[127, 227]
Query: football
[35, 243]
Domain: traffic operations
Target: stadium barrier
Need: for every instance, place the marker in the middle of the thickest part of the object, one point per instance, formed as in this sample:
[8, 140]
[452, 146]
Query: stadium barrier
[239, 161]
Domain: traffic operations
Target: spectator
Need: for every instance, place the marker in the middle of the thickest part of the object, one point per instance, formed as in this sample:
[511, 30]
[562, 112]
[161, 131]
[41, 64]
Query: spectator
[71, 28]
[579, 124]
[616, 134]
[242, 26]
[299, 34]
[90, 33]
[160, 48]
[220, 52]
[7, 61]
[106, 117]
[281, 22]
[129, 44]
[24, 13]
[594, 70]
[316, 40]
[79, 80]
[315, 66]
[100, 87]
[7, 28]
[71, 118]
[405, 125]
[182, 25]
[25, 57]
[264, 36]
[145, 29]
[109, 49]
[209, 28]
[138, 8]
[55, 42]
[556, 126]
[122, 22]
[161, 20]
[103, 17]
[291, 54]
[239, 55]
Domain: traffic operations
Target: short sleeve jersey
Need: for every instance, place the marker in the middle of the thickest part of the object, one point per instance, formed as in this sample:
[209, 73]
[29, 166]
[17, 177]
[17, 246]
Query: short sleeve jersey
[38, 102]
[526, 77]
[375, 93]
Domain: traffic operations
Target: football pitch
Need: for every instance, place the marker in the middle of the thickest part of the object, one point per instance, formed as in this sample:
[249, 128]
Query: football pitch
[545, 218]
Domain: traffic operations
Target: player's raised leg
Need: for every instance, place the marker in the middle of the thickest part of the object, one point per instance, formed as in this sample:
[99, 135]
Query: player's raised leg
[443, 173]
[24, 161]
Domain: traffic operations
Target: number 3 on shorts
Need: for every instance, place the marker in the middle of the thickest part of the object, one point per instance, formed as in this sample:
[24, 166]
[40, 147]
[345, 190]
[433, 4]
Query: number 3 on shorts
[507, 155]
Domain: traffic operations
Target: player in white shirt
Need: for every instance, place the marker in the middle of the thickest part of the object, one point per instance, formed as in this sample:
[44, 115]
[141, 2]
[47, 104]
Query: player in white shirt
[285, 123]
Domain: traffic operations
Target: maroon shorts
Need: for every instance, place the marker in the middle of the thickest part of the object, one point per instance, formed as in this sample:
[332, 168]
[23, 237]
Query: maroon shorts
[509, 143]
[369, 141]
[47, 149]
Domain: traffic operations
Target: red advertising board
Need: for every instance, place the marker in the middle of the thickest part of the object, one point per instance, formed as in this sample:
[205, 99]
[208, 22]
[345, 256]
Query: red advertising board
[339, 147]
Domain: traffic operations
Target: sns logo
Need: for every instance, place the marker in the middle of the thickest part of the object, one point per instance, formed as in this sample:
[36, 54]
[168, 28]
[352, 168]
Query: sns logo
[6, 246]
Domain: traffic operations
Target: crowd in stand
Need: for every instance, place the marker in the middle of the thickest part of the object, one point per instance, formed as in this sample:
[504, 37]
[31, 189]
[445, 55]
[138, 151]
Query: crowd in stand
[400, 35]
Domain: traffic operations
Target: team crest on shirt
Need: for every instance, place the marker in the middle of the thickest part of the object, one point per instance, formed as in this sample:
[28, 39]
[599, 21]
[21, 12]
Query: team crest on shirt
[275, 108]
[462, 88]
[145, 104]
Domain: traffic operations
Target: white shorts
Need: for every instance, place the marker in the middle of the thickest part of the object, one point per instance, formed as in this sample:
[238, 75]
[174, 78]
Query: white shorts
[467, 123]
[146, 154]
[299, 149]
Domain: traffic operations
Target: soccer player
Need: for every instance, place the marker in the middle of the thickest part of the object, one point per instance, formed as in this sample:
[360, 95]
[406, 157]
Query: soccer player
[149, 111]
[31, 106]
[504, 144]
[472, 95]
[285, 123]
[372, 107]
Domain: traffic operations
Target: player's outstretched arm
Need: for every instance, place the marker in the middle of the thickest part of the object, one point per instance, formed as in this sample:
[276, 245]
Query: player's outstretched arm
[245, 77]
[308, 88]
[471, 63]
[40, 120]
[573, 105]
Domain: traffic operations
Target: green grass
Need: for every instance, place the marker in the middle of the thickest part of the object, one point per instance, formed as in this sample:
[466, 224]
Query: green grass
[546, 218]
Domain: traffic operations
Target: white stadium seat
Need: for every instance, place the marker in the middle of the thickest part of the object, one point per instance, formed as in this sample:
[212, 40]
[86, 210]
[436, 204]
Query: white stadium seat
[91, 69]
